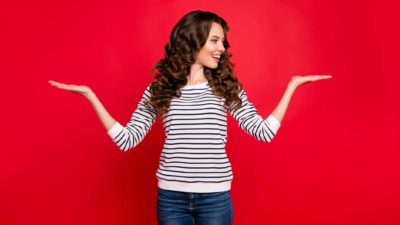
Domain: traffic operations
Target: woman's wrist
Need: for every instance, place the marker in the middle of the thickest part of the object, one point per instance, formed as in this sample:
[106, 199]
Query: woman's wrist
[90, 95]
[292, 86]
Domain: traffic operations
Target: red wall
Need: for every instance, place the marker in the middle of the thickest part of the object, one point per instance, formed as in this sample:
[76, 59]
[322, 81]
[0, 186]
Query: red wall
[335, 159]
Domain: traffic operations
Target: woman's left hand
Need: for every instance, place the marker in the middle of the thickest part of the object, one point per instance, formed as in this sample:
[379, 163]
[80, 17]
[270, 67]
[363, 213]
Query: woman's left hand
[299, 80]
[280, 110]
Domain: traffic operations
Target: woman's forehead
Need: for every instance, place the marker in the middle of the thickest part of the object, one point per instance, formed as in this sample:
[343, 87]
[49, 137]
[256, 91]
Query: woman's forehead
[216, 30]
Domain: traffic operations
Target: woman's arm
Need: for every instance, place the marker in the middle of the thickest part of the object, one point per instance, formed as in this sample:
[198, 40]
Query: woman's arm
[252, 123]
[266, 129]
[296, 81]
[125, 137]
[105, 118]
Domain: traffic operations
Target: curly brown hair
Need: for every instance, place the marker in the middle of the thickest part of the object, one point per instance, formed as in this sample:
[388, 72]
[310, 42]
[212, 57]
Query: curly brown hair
[188, 36]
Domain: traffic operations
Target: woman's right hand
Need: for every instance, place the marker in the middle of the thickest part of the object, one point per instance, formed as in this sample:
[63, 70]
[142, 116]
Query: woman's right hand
[105, 118]
[78, 89]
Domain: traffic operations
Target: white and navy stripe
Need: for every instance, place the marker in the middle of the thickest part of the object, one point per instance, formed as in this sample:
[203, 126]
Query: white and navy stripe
[193, 157]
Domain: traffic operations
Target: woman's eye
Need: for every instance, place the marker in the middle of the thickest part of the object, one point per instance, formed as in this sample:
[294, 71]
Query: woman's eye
[214, 41]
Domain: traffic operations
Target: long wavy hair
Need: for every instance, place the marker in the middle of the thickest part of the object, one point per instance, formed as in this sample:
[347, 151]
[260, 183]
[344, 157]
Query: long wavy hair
[187, 38]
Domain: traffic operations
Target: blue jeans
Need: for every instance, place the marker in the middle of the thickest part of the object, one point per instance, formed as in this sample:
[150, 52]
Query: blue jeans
[184, 208]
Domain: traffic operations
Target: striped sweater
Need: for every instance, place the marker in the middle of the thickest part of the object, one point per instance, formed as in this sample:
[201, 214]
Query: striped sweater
[193, 158]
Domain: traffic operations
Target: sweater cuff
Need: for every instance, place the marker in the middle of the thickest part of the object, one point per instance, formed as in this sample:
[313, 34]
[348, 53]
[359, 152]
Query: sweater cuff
[115, 130]
[274, 122]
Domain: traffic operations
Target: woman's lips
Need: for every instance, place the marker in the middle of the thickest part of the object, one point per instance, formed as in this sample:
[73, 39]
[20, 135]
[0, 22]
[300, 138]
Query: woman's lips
[215, 58]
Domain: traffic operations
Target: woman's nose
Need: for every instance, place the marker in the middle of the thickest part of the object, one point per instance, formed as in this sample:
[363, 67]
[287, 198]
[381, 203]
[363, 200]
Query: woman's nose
[221, 47]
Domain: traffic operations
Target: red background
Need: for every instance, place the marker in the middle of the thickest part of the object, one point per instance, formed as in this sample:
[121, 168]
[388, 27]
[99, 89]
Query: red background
[335, 159]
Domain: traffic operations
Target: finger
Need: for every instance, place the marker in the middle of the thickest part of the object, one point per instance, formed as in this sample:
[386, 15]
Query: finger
[62, 86]
[322, 77]
[319, 77]
[54, 83]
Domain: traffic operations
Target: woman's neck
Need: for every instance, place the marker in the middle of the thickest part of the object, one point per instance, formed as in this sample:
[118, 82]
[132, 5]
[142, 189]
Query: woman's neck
[196, 75]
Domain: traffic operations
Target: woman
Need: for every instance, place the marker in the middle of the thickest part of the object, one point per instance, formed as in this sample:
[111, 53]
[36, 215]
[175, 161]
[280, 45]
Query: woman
[194, 89]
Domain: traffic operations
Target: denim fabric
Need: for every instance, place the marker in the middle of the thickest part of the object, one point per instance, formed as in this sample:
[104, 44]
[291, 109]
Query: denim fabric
[184, 208]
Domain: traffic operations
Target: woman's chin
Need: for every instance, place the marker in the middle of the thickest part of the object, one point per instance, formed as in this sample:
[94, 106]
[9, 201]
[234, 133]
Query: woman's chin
[213, 67]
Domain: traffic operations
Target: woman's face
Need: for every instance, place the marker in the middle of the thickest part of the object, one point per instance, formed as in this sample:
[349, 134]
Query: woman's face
[209, 55]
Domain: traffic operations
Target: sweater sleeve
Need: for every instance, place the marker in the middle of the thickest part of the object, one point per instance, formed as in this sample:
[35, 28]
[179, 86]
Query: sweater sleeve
[251, 122]
[135, 130]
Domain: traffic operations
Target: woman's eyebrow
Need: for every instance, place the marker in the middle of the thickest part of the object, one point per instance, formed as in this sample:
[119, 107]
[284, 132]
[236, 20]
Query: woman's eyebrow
[216, 36]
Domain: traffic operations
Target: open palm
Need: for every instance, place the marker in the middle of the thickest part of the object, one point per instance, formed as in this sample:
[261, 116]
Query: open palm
[78, 89]
[299, 80]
